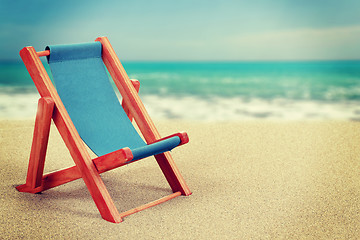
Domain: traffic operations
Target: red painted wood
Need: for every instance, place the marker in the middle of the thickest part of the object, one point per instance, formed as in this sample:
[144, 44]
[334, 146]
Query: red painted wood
[40, 142]
[172, 174]
[113, 160]
[43, 53]
[52, 180]
[151, 204]
[136, 85]
[71, 137]
[141, 116]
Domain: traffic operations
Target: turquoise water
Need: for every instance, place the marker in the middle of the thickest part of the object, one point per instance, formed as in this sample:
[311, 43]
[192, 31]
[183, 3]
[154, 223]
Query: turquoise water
[328, 81]
[226, 90]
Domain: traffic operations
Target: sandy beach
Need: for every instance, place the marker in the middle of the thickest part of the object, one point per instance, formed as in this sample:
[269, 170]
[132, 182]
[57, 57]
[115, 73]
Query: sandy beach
[250, 180]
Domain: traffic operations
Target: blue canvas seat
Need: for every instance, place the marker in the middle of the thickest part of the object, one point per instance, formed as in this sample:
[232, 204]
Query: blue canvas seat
[84, 87]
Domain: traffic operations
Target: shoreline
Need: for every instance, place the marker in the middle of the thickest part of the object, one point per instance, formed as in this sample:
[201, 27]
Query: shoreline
[195, 108]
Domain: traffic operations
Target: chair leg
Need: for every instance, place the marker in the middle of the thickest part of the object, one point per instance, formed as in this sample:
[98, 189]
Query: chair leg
[142, 119]
[36, 182]
[172, 173]
[87, 169]
[39, 144]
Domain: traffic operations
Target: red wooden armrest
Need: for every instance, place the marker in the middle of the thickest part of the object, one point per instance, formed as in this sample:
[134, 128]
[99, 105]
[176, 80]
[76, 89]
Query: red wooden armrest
[113, 160]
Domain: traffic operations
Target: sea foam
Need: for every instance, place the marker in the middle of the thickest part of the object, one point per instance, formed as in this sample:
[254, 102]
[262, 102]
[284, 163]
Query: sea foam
[193, 108]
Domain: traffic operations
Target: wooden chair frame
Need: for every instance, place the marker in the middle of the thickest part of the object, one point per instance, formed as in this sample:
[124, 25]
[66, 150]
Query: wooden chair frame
[50, 107]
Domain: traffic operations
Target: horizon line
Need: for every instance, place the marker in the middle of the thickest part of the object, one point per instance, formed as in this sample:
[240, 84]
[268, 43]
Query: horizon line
[216, 60]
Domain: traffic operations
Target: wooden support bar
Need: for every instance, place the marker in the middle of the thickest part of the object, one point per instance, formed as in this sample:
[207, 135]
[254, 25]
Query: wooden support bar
[53, 179]
[136, 85]
[151, 204]
[103, 164]
[172, 174]
[40, 142]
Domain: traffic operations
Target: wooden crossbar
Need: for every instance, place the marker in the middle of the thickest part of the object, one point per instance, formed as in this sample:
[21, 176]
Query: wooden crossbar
[52, 180]
[103, 164]
[150, 204]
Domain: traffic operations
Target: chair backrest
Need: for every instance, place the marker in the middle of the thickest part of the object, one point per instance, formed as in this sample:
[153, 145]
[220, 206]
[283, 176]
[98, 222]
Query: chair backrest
[84, 87]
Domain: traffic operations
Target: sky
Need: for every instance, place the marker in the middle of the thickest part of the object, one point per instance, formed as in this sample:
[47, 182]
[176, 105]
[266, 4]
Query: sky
[198, 30]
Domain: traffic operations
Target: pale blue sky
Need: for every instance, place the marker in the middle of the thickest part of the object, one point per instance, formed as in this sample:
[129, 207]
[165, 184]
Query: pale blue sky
[189, 30]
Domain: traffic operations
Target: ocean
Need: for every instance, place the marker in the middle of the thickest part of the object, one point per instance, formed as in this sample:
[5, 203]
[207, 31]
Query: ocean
[219, 91]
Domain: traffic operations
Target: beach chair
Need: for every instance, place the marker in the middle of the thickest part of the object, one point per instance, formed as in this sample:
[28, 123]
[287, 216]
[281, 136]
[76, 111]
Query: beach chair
[85, 109]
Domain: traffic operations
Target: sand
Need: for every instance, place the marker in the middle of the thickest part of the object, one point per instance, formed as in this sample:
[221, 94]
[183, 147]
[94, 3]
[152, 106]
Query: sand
[250, 180]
